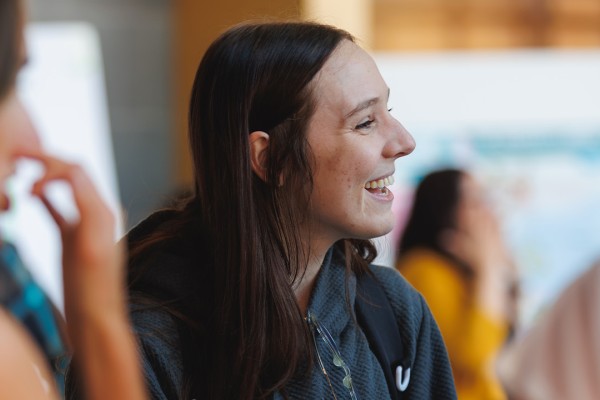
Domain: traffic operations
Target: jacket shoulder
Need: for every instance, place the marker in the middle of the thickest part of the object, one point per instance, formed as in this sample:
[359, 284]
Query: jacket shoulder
[402, 295]
[431, 375]
[160, 351]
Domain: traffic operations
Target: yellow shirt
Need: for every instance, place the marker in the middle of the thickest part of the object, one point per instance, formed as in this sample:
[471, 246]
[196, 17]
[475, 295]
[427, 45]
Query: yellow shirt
[472, 338]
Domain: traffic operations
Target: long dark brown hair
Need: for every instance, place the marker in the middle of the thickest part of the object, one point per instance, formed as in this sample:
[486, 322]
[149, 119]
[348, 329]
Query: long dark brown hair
[10, 44]
[256, 76]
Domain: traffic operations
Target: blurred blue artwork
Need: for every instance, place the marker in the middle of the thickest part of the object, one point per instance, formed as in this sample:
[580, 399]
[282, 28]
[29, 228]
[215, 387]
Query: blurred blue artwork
[528, 125]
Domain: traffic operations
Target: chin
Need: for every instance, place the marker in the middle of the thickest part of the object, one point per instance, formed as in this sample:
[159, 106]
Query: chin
[383, 226]
[375, 231]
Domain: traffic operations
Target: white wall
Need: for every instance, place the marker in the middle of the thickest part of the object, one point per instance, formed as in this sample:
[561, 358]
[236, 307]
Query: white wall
[136, 42]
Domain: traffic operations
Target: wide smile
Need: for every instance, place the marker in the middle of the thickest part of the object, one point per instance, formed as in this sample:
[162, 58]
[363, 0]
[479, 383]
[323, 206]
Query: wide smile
[379, 188]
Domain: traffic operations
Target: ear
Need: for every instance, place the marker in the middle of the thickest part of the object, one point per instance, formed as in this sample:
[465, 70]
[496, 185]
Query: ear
[259, 143]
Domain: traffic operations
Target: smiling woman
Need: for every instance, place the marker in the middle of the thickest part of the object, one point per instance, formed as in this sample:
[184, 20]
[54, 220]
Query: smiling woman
[237, 293]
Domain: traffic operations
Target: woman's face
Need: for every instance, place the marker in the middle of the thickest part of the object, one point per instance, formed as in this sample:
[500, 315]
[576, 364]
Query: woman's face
[17, 135]
[354, 141]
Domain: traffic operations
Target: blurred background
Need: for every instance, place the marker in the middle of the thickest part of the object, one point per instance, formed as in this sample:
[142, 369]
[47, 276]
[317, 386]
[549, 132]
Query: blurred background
[509, 89]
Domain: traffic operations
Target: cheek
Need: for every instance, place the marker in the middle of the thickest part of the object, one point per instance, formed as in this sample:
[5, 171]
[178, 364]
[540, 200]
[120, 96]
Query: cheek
[467, 216]
[342, 171]
[17, 133]
[28, 139]
[351, 157]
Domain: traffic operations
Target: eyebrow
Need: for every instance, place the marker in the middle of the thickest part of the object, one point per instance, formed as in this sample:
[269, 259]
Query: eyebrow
[365, 104]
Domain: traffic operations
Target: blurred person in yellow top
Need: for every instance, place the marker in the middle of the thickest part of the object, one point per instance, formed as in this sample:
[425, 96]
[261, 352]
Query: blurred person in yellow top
[452, 252]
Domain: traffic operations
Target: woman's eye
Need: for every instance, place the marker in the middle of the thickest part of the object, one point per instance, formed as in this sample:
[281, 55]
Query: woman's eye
[365, 125]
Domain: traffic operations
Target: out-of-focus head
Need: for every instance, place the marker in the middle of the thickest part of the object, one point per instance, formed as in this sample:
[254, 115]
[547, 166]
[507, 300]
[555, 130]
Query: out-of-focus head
[17, 134]
[435, 205]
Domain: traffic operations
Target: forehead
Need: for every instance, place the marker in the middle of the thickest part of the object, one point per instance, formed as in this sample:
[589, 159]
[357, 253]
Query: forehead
[349, 77]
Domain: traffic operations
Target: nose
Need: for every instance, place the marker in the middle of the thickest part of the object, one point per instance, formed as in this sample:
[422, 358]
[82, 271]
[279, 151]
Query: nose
[400, 142]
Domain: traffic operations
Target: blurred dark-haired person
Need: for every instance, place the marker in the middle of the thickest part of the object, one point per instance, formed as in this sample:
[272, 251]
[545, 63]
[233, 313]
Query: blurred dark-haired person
[452, 252]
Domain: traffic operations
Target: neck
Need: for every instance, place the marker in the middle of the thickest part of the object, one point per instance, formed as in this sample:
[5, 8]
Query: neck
[304, 286]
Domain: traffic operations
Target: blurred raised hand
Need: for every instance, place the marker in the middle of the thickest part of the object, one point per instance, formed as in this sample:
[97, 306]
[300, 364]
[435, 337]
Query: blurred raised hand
[94, 288]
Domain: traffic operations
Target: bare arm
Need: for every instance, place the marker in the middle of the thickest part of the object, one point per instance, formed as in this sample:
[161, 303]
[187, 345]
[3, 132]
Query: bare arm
[24, 372]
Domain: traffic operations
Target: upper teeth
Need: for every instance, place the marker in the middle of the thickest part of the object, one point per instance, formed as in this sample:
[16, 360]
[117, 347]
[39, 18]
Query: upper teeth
[380, 183]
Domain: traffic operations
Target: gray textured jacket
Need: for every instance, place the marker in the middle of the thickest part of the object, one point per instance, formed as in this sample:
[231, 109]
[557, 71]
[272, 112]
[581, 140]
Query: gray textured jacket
[430, 377]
